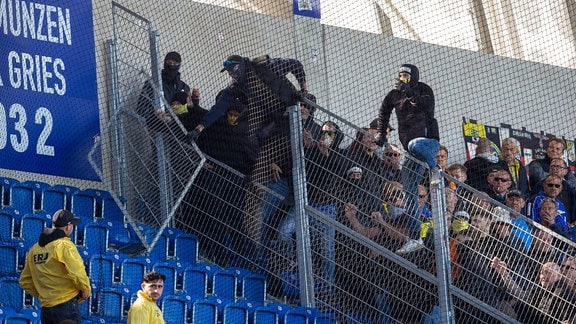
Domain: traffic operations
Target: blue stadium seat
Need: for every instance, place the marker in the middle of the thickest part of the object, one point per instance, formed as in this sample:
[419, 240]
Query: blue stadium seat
[17, 218]
[25, 316]
[83, 205]
[295, 316]
[46, 216]
[53, 199]
[225, 284]
[250, 306]
[118, 233]
[175, 308]
[111, 210]
[235, 314]
[31, 225]
[210, 269]
[68, 191]
[110, 303]
[5, 311]
[11, 295]
[99, 195]
[271, 313]
[171, 273]
[251, 286]
[195, 281]
[220, 304]
[38, 187]
[171, 233]
[85, 255]
[132, 271]
[6, 226]
[239, 312]
[23, 197]
[95, 237]
[160, 249]
[186, 247]
[101, 270]
[5, 184]
[8, 259]
[205, 312]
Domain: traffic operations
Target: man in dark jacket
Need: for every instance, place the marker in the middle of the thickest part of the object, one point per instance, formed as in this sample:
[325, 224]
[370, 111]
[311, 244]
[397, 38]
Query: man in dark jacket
[413, 102]
[479, 167]
[171, 84]
[540, 168]
[228, 140]
[326, 168]
[271, 72]
[219, 192]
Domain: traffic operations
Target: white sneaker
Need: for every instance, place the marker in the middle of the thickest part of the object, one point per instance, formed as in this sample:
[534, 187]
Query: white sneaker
[411, 245]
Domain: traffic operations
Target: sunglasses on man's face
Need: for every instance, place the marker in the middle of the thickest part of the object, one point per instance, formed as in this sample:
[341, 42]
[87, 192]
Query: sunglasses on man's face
[501, 179]
[553, 185]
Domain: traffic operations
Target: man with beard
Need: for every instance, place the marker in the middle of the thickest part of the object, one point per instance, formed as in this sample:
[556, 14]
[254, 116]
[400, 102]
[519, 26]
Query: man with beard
[145, 309]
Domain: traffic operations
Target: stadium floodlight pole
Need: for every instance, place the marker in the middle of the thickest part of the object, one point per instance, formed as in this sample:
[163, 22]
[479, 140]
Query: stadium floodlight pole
[441, 246]
[303, 246]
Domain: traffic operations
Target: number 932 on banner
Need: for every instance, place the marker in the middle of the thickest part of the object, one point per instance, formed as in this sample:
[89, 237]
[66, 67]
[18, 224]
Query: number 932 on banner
[24, 130]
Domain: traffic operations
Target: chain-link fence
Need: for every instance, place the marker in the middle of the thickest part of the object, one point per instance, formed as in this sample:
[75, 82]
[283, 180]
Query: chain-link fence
[317, 206]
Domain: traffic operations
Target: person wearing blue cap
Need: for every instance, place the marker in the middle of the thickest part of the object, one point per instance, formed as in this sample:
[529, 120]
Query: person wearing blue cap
[270, 71]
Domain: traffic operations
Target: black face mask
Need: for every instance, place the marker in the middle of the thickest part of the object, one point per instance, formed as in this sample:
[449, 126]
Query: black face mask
[170, 71]
[240, 74]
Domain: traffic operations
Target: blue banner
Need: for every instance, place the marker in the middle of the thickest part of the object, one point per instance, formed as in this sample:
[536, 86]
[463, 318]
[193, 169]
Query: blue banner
[48, 95]
[308, 8]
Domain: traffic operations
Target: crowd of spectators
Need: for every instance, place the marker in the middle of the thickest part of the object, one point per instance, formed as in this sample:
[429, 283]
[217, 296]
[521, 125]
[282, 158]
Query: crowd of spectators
[512, 226]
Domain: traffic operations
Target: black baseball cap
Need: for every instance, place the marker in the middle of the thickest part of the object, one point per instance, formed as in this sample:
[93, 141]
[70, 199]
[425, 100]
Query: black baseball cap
[64, 218]
[230, 62]
[515, 193]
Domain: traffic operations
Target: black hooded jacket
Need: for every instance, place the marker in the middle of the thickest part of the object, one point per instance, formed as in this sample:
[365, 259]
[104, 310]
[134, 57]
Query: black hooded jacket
[324, 173]
[414, 110]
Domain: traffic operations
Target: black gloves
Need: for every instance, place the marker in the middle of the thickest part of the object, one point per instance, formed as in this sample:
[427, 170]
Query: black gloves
[405, 87]
[192, 136]
[381, 140]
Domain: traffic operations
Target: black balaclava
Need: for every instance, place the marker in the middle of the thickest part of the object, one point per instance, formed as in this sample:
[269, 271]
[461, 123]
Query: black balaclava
[170, 72]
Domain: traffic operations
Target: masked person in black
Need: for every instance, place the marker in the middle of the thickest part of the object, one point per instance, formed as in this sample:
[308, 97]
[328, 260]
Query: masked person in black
[171, 84]
[413, 102]
[219, 194]
[271, 72]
